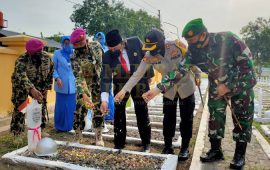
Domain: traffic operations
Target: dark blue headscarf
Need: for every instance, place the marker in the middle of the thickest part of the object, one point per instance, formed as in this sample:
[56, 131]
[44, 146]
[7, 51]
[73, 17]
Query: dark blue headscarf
[103, 40]
[66, 51]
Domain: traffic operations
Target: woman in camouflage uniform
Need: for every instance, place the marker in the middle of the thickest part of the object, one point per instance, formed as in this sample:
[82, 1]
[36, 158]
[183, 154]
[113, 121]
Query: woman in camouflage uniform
[32, 76]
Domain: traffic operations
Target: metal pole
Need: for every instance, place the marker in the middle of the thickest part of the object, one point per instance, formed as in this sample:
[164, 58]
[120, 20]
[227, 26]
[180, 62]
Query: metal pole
[159, 17]
[201, 95]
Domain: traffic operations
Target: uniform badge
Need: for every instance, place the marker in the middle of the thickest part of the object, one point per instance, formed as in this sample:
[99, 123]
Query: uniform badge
[174, 54]
[190, 33]
[135, 54]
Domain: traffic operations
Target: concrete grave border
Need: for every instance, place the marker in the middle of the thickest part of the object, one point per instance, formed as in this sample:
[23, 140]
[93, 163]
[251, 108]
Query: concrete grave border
[200, 140]
[264, 144]
[170, 162]
[132, 139]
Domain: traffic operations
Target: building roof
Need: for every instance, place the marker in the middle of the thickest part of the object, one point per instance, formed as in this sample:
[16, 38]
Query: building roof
[50, 43]
[5, 33]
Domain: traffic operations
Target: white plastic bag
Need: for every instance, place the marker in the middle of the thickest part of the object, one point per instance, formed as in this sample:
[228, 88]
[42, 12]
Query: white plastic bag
[88, 120]
[33, 115]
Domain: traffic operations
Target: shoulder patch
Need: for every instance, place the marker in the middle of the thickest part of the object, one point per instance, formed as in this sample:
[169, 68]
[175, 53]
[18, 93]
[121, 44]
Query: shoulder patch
[181, 46]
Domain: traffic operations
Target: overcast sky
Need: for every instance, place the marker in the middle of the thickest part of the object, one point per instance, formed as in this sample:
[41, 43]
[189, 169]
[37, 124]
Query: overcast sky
[53, 16]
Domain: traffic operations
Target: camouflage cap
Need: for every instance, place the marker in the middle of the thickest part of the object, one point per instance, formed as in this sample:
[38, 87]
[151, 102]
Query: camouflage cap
[193, 28]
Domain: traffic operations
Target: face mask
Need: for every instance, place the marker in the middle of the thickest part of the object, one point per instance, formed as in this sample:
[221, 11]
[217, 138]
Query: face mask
[37, 55]
[115, 53]
[81, 49]
[199, 44]
[67, 49]
[37, 58]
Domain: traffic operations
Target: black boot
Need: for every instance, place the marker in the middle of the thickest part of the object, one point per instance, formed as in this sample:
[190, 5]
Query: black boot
[215, 153]
[146, 148]
[168, 146]
[238, 161]
[184, 152]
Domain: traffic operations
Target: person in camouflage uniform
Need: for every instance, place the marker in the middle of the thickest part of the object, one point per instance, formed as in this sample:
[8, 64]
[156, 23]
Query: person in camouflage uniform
[227, 60]
[86, 64]
[32, 76]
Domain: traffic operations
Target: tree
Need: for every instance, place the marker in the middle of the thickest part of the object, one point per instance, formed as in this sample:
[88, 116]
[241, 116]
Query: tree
[100, 15]
[257, 36]
[56, 37]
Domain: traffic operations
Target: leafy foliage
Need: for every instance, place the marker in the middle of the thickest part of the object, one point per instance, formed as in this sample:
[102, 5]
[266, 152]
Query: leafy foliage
[56, 37]
[257, 36]
[100, 15]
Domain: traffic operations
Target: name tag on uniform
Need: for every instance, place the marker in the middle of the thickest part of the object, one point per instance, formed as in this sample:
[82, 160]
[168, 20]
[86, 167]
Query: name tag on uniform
[152, 60]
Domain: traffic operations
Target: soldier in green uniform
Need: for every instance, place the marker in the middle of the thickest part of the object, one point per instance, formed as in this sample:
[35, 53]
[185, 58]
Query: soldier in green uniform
[87, 63]
[32, 76]
[227, 60]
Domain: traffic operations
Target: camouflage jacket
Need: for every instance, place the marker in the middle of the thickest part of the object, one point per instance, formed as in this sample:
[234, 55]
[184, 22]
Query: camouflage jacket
[87, 68]
[28, 74]
[226, 59]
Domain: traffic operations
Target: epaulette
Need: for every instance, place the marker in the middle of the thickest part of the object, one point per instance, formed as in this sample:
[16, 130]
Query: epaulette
[181, 46]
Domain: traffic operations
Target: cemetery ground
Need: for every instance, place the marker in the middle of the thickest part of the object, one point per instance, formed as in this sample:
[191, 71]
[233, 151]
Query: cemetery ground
[257, 158]
[8, 143]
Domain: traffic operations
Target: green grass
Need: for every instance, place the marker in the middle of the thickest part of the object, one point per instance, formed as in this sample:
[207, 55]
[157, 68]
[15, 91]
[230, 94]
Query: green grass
[128, 102]
[257, 125]
[9, 143]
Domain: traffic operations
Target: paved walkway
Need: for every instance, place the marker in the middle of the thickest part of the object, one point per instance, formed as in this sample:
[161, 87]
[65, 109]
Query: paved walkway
[256, 158]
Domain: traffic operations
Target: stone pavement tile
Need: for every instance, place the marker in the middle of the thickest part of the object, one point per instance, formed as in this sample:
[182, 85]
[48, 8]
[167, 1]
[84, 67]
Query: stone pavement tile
[266, 163]
[256, 159]
[209, 166]
[249, 152]
[251, 158]
[228, 147]
[229, 154]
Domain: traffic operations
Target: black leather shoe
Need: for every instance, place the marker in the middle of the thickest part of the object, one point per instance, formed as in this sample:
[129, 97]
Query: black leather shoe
[167, 150]
[183, 154]
[119, 147]
[146, 148]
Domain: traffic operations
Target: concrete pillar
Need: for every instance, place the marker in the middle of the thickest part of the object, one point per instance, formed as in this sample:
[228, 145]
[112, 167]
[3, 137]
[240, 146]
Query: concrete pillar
[14, 47]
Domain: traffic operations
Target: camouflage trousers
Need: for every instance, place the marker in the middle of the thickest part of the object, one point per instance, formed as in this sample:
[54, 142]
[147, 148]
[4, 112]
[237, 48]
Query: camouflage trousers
[81, 110]
[243, 107]
[19, 95]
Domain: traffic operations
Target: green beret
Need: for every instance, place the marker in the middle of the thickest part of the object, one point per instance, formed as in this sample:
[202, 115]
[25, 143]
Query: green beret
[193, 28]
